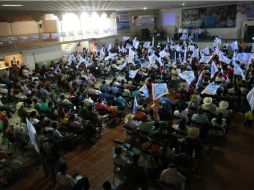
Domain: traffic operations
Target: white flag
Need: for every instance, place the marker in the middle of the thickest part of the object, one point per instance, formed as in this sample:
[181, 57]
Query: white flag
[223, 58]
[132, 54]
[250, 98]
[205, 59]
[32, 134]
[163, 54]
[214, 69]
[133, 73]
[125, 38]
[146, 45]
[145, 91]
[238, 71]
[120, 67]
[135, 43]
[109, 47]
[243, 57]
[234, 45]
[135, 105]
[188, 76]
[217, 41]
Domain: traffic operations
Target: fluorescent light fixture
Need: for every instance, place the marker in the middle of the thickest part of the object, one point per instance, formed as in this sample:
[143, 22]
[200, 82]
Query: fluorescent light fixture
[144, 8]
[12, 5]
[183, 4]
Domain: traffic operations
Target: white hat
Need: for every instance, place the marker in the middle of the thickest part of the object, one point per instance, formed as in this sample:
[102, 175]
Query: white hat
[207, 100]
[223, 105]
[19, 105]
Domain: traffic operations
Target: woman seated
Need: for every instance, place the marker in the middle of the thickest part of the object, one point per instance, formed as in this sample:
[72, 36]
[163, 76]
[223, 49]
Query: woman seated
[73, 122]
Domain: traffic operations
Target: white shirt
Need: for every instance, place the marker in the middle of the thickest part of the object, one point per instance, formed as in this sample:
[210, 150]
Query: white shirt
[180, 30]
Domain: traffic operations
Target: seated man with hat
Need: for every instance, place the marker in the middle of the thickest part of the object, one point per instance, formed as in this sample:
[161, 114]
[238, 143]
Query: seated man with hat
[223, 109]
[208, 105]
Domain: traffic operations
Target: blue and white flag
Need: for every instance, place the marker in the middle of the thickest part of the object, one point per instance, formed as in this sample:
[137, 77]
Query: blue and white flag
[195, 53]
[206, 51]
[250, 98]
[214, 69]
[211, 89]
[109, 47]
[174, 58]
[153, 42]
[70, 60]
[128, 46]
[234, 45]
[119, 49]
[126, 38]
[124, 50]
[205, 59]
[184, 37]
[159, 90]
[132, 54]
[145, 91]
[32, 134]
[102, 52]
[146, 45]
[160, 61]
[185, 55]
[57, 69]
[163, 54]
[199, 79]
[217, 41]
[243, 57]
[224, 58]
[135, 43]
[120, 67]
[238, 71]
[188, 76]
[135, 105]
[133, 73]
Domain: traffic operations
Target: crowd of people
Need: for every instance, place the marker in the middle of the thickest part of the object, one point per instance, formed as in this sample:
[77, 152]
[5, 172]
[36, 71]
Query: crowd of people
[84, 93]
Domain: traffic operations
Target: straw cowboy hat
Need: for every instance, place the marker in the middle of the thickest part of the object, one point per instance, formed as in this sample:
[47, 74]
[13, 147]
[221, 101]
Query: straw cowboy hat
[207, 100]
[223, 105]
[194, 98]
[19, 105]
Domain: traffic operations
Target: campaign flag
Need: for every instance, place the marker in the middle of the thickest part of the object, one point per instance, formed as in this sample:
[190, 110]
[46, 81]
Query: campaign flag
[243, 57]
[205, 59]
[199, 79]
[163, 54]
[174, 58]
[238, 71]
[217, 41]
[188, 76]
[120, 67]
[119, 49]
[126, 38]
[250, 98]
[159, 90]
[135, 43]
[146, 44]
[32, 134]
[102, 52]
[135, 105]
[132, 54]
[133, 73]
[185, 55]
[109, 47]
[211, 89]
[206, 51]
[128, 46]
[184, 37]
[214, 69]
[195, 53]
[160, 61]
[224, 58]
[153, 42]
[145, 91]
[234, 45]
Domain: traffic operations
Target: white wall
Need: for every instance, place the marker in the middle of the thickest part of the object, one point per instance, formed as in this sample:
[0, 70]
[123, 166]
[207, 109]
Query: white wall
[224, 33]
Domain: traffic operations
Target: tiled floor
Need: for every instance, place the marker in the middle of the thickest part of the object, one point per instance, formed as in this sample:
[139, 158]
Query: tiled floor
[229, 166]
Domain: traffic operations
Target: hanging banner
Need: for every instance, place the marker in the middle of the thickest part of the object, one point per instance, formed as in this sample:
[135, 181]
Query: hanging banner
[122, 20]
[142, 21]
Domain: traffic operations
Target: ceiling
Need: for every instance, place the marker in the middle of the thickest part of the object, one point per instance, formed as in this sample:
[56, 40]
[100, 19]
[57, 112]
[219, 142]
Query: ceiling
[102, 5]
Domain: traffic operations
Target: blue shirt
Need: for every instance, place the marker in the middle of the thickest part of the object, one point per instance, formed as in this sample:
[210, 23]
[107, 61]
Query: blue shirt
[168, 102]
